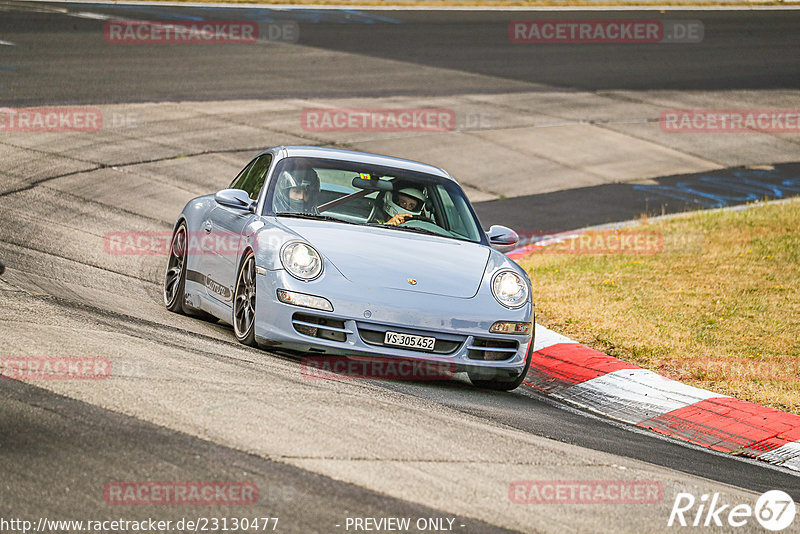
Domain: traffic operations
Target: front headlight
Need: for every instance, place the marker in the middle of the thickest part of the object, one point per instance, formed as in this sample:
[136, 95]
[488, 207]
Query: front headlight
[509, 289]
[301, 260]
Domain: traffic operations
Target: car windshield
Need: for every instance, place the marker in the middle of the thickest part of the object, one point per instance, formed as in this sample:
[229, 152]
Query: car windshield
[360, 193]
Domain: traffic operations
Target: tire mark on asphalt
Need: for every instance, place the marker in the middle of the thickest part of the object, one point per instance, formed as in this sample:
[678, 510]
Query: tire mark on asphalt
[100, 166]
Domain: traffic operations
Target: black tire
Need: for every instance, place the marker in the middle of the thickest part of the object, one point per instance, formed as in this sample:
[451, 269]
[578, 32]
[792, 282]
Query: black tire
[244, 301]
[487, 378]
[175, 277]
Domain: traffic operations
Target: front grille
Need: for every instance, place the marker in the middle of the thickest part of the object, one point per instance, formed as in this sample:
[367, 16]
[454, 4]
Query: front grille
[374, 334]
[321, 327]
[491, 349]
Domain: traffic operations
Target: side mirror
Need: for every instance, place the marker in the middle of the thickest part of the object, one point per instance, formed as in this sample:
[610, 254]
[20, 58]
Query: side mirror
[502, 238]
[234, 198]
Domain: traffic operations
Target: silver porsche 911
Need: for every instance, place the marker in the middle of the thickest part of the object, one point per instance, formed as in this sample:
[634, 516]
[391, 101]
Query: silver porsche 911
[341, 253]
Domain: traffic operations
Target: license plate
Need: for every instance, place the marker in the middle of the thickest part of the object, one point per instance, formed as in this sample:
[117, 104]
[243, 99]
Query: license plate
[409, 340]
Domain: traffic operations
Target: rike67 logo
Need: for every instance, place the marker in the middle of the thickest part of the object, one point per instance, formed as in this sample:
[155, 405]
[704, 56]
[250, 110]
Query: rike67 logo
[774, 510]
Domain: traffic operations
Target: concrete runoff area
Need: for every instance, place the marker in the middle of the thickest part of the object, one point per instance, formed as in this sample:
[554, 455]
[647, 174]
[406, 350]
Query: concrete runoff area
[514, 152]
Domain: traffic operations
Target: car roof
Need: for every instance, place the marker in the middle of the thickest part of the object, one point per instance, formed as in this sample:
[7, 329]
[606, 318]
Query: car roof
[361, 157]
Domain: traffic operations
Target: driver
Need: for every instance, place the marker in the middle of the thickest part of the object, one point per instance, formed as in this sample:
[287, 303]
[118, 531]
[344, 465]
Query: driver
[402, 204]
[297, 189]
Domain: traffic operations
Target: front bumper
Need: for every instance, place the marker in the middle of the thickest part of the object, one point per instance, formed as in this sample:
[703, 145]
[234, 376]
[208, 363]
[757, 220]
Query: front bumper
[361, 315]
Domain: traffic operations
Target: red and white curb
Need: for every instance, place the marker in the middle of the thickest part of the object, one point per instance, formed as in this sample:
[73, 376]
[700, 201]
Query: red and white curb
[587, 378]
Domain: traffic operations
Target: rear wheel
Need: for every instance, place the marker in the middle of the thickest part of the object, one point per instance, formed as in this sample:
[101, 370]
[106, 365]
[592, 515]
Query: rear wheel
[175, 278]
[244, 301]
[494, 379]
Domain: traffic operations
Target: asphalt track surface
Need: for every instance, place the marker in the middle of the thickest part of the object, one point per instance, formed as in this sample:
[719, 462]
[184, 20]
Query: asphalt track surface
[611, 203]
[741, 50]
[55, 448]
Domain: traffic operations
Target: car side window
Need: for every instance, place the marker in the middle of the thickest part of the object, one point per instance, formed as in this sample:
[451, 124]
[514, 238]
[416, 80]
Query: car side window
[251, 179]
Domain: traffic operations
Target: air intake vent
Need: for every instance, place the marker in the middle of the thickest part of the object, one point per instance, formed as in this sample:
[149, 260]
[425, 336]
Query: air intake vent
[321, 327]
[492, 349]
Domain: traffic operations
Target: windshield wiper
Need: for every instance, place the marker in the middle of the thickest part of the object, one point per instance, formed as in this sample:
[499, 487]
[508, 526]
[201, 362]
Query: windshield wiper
[411, 229]
[423, 231]
[312, 217]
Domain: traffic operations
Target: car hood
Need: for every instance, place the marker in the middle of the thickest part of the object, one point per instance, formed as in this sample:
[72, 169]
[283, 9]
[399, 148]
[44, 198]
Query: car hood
[383, 257]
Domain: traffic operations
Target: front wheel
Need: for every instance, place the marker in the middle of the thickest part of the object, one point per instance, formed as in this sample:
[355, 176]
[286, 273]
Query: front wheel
[244, 301]
[487, 378]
